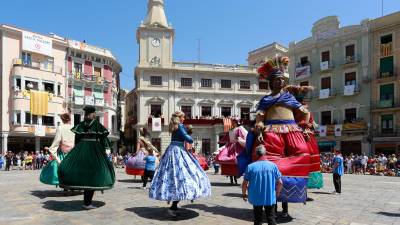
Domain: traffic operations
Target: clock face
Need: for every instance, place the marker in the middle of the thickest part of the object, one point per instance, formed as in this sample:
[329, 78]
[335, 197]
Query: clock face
[156, 42]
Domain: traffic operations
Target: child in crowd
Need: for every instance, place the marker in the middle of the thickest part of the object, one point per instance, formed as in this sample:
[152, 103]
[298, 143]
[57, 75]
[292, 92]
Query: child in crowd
[150, 167]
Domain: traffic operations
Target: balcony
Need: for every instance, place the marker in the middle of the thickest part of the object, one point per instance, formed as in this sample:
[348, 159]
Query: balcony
[204, 121]
[386, 75]
[388, 132]
[348, 128]
[385, 104]
[326, 66]
[350, 61]
[302, 72]
[46, 66]
[386, 49]
[82, 77]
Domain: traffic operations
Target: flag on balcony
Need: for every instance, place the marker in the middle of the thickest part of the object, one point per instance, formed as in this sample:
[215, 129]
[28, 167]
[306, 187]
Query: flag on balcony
[349, 90]
[322, 131]
[302, 72]
[39, 104]
[227, 124]
[156, 124]
[324, 93]
[338, 130]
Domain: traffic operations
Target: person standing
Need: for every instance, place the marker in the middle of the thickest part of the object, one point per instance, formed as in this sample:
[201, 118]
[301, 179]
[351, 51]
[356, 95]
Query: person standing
[261, 185]
[86, 166]
[149, 168]
[179, 175]
[1, 161]
[9, 160]
[338, 171]
[63, 142]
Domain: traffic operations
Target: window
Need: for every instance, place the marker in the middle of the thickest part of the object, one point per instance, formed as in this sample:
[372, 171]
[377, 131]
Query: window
[206, 83]
[206, 111]
[17, 117]
[350, 78]
[326, 83]
[386, 94]
[386, 39]
[226, 84]
[27, 118]
[325, 56]
[386, 66]
[206, 146]
[326, 118]
[97, 71]
[31, 119]
[387, 123]
[226, 111]
[98, 59]
[350, 115]
[304, 83]
[48, 120]
[245, 113]
[78, 55]
[78, 67]
[49, 87]
[304, 61]
[187, 109]
[155, 80]
[155, 110]
[26, 58]
[31, 85]
[17, 84]
[77, 119]
[59, 89]
[186, 82]
[244, 84]
[113, 123]
[263, 85]
[350, 52]
[156, 142]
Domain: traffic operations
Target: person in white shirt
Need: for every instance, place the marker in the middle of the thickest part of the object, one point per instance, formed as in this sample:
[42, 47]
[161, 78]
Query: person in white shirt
[364, 162]
[349, 164]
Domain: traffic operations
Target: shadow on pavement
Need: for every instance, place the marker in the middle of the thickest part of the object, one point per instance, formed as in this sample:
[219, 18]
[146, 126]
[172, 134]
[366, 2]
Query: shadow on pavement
[233, 195]
[321, 193]
[131, 181]
[220, 184]
[309, 199]
[237, 213]
[69, 206]
[54, 193]
[160, 214]
[389, 214]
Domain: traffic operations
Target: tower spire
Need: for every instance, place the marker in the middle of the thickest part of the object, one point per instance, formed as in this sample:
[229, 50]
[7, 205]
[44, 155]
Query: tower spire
[156, 14]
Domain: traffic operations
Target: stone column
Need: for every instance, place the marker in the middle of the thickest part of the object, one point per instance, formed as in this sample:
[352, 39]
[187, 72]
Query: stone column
[216, 146]
[4, 143]
[37, 144]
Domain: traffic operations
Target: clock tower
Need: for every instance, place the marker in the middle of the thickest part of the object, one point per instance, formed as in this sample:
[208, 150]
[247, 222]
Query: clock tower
[155, 37]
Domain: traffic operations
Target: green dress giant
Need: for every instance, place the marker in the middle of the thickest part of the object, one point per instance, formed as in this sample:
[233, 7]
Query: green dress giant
[86, 166]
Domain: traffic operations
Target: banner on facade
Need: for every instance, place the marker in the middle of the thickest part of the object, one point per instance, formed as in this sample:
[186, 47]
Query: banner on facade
[338, 130]
[324, 93]
[322, 131]
[37, 43]
[349, 90]
[303, 72]
[324, 65]
[89, 100]
[40, 131]
[156, 124]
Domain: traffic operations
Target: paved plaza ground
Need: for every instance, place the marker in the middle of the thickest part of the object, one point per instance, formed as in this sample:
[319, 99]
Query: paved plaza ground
[24, 200]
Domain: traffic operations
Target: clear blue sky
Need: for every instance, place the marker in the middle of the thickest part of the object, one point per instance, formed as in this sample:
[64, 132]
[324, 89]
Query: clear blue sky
[228, 29]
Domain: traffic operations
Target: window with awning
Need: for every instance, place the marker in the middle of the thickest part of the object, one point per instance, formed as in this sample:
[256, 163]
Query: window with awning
[78, 91]
[98, 94]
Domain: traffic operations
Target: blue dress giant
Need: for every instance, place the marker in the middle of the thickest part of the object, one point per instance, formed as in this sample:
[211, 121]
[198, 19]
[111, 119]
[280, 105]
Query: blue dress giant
[179, 175]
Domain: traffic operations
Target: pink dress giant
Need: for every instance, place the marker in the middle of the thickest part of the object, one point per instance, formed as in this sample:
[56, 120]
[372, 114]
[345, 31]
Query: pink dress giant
[226, 155]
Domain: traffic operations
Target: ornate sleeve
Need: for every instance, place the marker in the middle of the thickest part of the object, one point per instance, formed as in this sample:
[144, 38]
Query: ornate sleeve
[185, 135]
[105, 142]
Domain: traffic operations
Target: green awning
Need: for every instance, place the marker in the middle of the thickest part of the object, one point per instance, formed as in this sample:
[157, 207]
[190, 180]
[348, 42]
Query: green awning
[78, 91]
[97, 93]
[327, 143]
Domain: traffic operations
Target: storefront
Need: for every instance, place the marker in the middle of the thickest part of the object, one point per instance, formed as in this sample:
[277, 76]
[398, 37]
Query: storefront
[351, 147]
[326, 146]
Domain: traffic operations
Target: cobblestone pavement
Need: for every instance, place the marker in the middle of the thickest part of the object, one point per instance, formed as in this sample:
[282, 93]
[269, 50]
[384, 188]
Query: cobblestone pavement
[24, 200]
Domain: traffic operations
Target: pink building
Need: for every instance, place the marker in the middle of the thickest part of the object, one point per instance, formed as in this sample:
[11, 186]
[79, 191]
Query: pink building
[42, 75]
